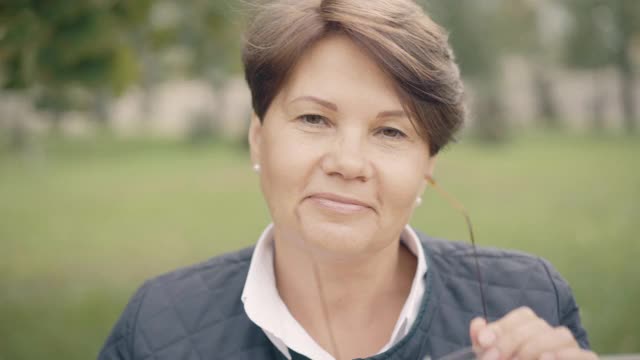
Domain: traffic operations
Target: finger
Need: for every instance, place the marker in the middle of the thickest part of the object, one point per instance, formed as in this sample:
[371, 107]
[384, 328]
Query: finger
[547, 342]
[477, 324]
[575, 354]
[514, 341]
[505, 325]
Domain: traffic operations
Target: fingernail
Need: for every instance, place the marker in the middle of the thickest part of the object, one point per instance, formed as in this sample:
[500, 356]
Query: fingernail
[486, 337]
[492, 354]
[547, 356]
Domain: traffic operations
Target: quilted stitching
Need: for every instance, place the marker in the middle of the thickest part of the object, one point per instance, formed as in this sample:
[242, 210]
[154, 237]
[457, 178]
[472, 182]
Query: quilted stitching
[177, 309]
[195, 313]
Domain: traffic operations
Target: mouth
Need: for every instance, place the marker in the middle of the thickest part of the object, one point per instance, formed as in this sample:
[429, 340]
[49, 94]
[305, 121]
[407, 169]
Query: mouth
[339, 203]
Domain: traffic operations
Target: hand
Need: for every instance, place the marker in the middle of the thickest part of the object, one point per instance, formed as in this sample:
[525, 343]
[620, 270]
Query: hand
[522, 335]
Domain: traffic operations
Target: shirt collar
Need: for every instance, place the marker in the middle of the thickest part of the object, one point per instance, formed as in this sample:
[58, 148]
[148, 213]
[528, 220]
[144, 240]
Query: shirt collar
[265, 307]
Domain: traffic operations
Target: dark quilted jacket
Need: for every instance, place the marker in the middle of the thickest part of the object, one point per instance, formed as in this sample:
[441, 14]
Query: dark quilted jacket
[196, 313]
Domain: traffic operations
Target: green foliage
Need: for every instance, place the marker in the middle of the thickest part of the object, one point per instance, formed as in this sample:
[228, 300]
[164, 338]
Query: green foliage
[126, 68]
[602, 32]
[590, 43]
[210, 30]
[82, 226]
[104, 46]
[469, 28]
[482, 32]
[602, 35]
[131, 12]
[55, 45]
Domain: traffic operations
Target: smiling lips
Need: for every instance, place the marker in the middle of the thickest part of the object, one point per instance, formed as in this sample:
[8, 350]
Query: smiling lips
[339, 203]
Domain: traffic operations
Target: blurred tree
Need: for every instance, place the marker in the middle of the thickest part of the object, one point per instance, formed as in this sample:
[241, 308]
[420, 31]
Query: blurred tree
[49, 46]
[471, 25]
[627, 17]
[589, 47]
[209, 34]
[481, 33]
[526, 26]
[214, 37]
[188, 38]
[601, 36]
[519, 29]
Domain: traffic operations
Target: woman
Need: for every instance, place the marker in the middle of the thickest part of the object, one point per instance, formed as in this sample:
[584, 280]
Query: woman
[353, 99]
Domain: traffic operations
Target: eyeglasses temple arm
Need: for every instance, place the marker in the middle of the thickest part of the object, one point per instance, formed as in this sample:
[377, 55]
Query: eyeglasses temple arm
[456, 204]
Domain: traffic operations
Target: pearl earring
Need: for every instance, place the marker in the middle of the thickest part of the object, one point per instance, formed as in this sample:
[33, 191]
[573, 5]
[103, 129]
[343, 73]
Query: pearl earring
[418, 201]
[256, 168]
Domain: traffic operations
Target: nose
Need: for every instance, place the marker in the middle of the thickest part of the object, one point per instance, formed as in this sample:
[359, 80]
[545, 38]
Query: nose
[347, 157]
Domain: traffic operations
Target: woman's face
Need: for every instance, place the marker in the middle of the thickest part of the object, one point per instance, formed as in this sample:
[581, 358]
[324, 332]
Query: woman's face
[341, 163]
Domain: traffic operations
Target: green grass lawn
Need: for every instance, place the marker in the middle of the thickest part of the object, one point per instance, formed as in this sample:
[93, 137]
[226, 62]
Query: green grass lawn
[83, 223]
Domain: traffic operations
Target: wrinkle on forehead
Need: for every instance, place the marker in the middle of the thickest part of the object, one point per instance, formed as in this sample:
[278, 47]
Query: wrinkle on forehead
[338, 57]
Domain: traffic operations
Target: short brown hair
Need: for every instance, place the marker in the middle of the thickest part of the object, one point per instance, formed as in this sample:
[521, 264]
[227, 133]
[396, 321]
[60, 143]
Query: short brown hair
[406, 44]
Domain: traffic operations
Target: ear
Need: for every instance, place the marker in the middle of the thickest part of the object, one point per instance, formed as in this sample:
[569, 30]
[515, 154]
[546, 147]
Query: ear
[255, 138]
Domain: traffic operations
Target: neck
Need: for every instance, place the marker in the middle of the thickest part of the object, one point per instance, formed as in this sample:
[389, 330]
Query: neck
[363, 292]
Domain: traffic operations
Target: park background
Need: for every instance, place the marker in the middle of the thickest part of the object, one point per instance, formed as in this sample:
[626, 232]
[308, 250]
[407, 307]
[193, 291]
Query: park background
[123, 154]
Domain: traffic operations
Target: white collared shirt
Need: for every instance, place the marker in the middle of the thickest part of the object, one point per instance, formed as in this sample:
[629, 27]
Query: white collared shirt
[265, 308]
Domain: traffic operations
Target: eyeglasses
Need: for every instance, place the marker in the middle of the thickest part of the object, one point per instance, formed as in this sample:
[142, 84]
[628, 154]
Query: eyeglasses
[458, 206]
[464, 354]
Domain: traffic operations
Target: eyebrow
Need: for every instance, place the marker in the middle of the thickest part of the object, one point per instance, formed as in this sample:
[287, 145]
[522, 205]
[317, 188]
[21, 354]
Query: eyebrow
[331, 106]
[392, 113]
[325, 103]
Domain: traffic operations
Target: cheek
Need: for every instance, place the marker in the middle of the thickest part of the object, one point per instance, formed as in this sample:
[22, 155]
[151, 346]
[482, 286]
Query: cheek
[287, 163]
[400, 182]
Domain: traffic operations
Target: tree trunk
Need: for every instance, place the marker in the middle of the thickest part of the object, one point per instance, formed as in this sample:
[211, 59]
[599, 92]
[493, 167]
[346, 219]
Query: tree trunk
[490, 124]
[627, 97]
[547, 112]
[56, 122]
[624, 18]
[17, 136]
[148, 76]
[598, 99]
[101, 107]
[627, 85]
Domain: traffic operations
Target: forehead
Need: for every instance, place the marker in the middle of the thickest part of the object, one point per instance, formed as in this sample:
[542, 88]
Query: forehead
[338, 70]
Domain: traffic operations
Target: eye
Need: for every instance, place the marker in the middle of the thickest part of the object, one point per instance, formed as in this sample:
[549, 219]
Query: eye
[392, 133]
[313, 119]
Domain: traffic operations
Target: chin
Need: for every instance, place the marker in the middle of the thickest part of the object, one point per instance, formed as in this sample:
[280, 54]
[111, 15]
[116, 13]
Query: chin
[338, 238]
